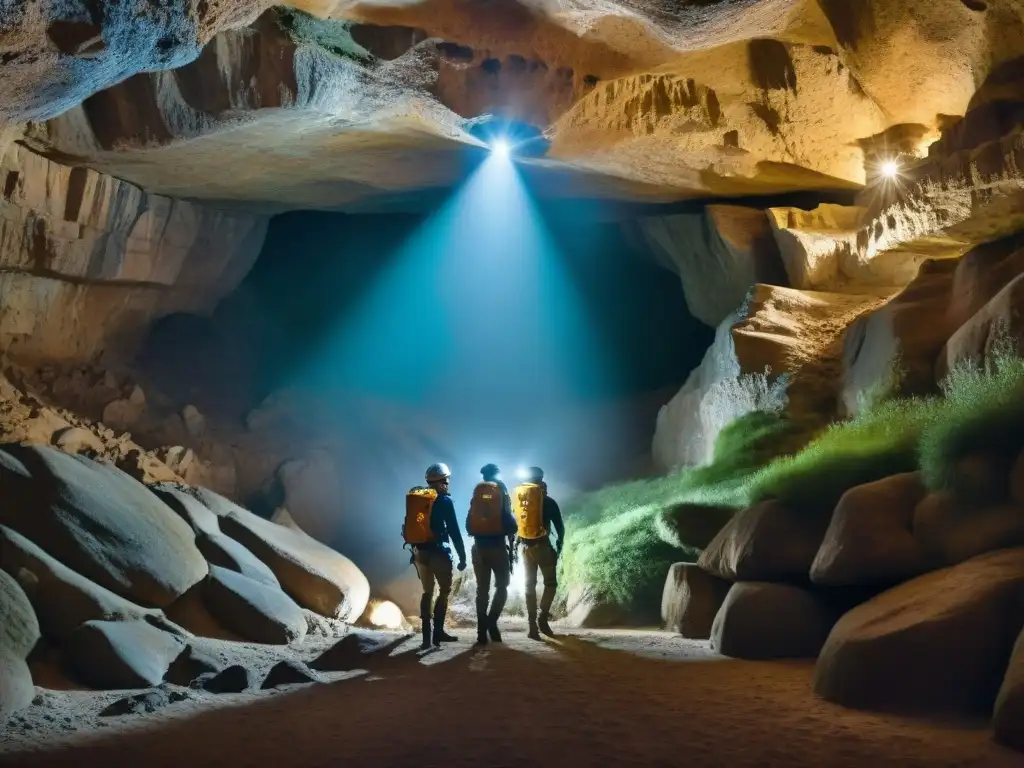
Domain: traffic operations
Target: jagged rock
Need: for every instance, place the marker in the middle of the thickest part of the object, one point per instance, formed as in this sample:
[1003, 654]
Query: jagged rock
[144, 467]
[314, 575]
[765, 542]
[88, 259]
[233, 679]
[217, 548]
[691, 599]
[177, 458]
[870, 540]
[63, 600]
[111, 655]
[78, 440]
[100, 523]
[19, 633]
[288, 673]
[191, 665]
[761, 620]
[809, 244]
[252, 610]
[938, 643]
[1008, 716]
[718, 253]
[950, 531]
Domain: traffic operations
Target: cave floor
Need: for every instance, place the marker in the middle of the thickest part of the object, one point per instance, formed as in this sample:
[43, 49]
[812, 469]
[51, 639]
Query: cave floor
[590, 698]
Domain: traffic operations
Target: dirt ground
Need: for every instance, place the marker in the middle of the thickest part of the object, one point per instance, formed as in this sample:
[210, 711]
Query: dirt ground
[608, 698]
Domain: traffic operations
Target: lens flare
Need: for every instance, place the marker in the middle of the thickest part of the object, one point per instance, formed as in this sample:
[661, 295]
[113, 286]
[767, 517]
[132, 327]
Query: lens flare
[386, 614]
[890, 169]
[501, 148]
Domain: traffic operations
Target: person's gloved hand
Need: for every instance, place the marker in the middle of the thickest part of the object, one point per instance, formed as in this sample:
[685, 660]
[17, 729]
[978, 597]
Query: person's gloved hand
[462, 565]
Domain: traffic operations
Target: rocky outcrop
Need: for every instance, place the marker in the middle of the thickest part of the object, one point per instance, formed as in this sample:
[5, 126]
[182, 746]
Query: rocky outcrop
[691, 599]
[87, 260]
[761, 620]
[939, 642]
[100, 522]
[112, 655]
[254, 611]
[870, 540]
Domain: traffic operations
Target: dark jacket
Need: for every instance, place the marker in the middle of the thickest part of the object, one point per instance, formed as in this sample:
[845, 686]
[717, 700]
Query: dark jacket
[507, 518]
[445, 526]
[553, 519]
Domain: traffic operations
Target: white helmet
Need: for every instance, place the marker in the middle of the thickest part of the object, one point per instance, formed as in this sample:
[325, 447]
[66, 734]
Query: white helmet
[437, 472]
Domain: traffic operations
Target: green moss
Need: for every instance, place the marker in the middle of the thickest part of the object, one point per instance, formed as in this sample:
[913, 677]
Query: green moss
[332, 36]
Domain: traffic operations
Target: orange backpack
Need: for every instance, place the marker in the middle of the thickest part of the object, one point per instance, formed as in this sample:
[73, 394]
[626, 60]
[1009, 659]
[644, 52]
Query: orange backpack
[419, 503]
[485, 511]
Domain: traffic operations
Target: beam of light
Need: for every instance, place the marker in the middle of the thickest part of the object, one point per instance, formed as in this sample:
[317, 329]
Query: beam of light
[500, 148]
[890, 169]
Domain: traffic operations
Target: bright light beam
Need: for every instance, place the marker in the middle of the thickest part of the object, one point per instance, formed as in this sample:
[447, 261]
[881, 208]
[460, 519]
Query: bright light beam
[500, 148]
[890, 169]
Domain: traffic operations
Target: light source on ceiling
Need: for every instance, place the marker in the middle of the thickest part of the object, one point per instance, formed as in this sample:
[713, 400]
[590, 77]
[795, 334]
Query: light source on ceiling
[890, 169]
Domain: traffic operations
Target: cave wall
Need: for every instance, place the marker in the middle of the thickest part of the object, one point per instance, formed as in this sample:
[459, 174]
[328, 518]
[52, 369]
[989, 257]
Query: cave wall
[88, 261]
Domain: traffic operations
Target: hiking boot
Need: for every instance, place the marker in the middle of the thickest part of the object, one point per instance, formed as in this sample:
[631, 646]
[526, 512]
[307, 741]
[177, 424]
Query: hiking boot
[492, 630]
[481, 636]
[533, 634]
[440, 636]
[426, 635]
[542, 623]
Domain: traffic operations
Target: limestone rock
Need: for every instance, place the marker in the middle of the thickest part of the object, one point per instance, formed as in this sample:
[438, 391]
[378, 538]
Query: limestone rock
[19, 633]
[977, 338]
[765, 542]
[112, 655]
[63, 599]
[950, 531]
[78, 440]
[100, 523]
[691, 599]
[938, 643]
[217, 548]
[252, 610]
[761, 620]
[870, 540]
[288, 673]
[314, 575]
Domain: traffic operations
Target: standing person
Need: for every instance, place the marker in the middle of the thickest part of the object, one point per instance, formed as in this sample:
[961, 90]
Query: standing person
[429, 525]
[491, 524]
[536, 514]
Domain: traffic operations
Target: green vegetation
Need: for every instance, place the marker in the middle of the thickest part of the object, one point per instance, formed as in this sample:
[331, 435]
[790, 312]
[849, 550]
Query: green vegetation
[622, 539]
[333, 36]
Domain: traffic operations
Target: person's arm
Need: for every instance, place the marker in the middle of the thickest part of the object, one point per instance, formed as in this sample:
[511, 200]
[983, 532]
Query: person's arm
[508, 520]
[452, 526]
[554, 516]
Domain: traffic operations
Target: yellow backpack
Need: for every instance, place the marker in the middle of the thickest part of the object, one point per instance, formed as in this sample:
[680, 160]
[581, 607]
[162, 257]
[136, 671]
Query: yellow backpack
[528, 506]
[419, 503]
[485, 511]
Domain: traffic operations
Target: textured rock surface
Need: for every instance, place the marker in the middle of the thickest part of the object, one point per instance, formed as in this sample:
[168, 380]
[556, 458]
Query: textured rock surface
[114, 655]
[870, 540]
[937, 643]
[99, 522]
[87, 260]
[63, 599]
[761, 620]
[691, 600]
[765, 542]
[257, 612]
[18, 636]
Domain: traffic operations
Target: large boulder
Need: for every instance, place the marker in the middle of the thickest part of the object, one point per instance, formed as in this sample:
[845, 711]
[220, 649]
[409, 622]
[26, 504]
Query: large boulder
[870, 540]
[111, 655]
[691, 600]
[938, 643]
[63, 599]
[761, 620]
[976, 340]
[950, 531]
[217, 548]
[314, 575]
[1008, 716]
[19, 633]
[585, 609]
[252, 610]
[692, 526]
[765, 542]
[99, 522]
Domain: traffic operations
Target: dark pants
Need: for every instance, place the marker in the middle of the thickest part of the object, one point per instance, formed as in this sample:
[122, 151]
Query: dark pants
[539, 555]
[488, 561]
[434, 566]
